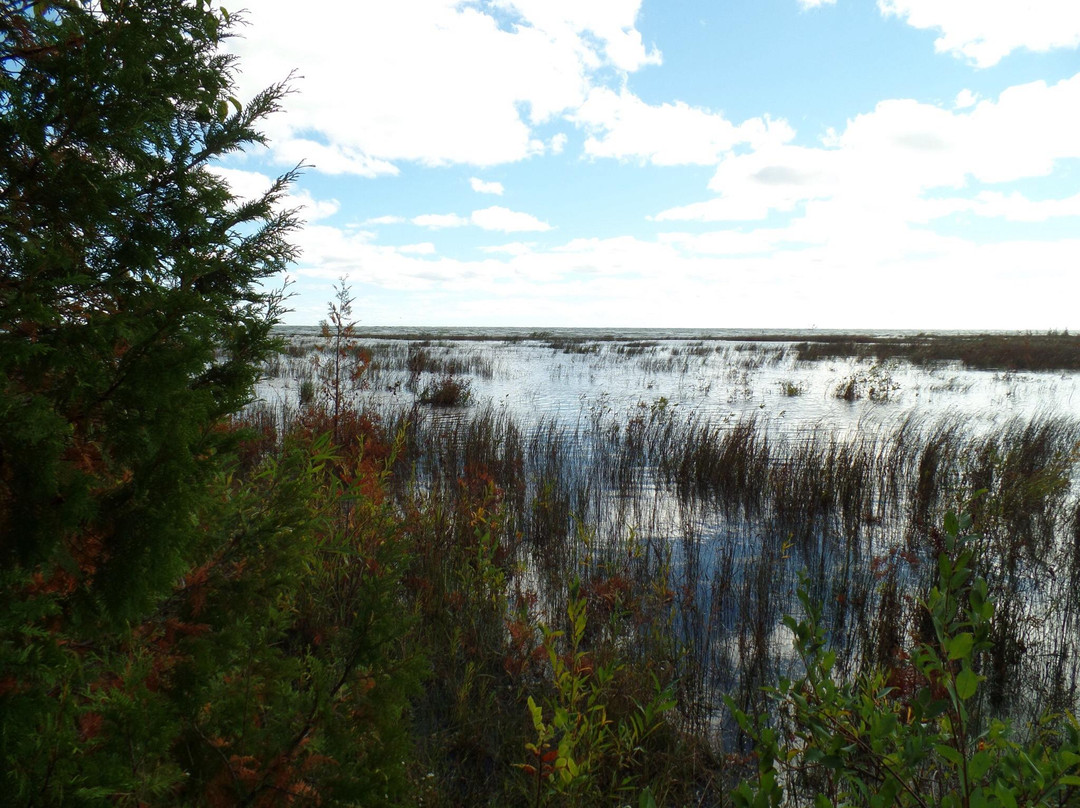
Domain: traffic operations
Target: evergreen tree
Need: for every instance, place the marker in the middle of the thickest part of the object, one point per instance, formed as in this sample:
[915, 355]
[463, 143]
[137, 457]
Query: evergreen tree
[132, 317]
[164, 633]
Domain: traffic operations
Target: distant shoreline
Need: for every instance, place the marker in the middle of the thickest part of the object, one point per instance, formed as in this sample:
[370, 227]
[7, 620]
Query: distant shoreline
[988, 350]
[613, 334]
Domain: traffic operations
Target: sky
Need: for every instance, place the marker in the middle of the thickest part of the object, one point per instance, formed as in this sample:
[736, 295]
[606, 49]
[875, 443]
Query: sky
[898, 164]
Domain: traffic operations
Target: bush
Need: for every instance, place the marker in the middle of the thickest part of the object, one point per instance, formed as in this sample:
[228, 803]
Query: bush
[909, 735]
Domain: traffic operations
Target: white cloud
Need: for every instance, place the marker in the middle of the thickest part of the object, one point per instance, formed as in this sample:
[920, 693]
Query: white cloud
[1017, 208]
[723, 209]
[839, 261]
[985, 31]
[512, 248]
[608, 23]
[245, 185]
[964, 99]
[773, 178]
[437, 221]
[846, 278]
[620, 125]
[425, 248]
[860, 206]
[333, 159]
[248, 185]
[493, 218]
[414, 80]
[482, 187]
[886, 160]
[726, 242]
[807, 4]
[311, 209]
[507, 221]
[1013, 207]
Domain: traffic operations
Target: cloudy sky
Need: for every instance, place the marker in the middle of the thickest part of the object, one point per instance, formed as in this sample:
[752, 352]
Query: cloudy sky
[691, 163]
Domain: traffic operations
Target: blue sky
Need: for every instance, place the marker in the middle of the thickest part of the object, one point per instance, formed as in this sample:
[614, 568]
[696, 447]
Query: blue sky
[642, 163]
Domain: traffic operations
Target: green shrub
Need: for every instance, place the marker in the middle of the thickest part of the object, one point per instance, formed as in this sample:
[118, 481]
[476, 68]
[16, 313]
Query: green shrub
[909, 736]
[584, 753]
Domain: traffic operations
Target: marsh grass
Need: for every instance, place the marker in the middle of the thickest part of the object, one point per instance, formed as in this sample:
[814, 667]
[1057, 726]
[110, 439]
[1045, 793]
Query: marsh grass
[446, 391]
[685, 535]
[1051, 351]
[432, 358]
[739, 512]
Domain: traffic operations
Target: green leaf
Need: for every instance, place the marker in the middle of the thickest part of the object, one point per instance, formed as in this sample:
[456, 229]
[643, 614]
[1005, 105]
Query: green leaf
[828, 659]
[1005, 795]
[967, 682]
[885, 725]
[959, 647]
[949, 753]
[537, 715]
[979, 765]
[833, 762]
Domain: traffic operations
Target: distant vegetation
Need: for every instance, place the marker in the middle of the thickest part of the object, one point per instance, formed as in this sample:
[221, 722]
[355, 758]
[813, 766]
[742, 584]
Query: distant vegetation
[998, 351]
[1052, 351]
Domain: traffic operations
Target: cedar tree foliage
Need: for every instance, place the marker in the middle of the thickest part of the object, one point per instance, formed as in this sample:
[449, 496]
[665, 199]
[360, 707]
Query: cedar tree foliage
[171, 633]
[132, 318]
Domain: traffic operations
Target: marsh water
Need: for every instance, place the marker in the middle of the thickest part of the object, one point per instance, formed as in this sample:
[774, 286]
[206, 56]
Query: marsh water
[565, 373]
[727, 465]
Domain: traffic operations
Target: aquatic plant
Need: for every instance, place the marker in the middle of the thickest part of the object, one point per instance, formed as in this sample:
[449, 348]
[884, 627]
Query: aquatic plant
[446, 391]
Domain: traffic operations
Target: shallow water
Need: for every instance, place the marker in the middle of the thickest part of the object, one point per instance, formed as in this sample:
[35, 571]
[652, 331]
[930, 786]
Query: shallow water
[721, 379]
[822, 501]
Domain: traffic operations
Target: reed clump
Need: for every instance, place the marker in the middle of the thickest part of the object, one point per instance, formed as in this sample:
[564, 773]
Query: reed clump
[446, 391]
